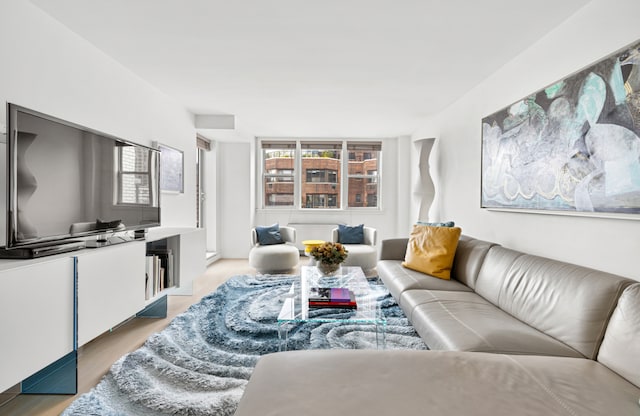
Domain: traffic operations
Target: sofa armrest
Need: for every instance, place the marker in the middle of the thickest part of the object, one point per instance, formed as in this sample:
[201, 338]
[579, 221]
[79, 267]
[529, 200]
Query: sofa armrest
[393, 249]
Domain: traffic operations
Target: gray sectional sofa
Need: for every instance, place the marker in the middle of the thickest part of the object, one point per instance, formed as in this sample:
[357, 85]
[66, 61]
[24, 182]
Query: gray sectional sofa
[510, 333]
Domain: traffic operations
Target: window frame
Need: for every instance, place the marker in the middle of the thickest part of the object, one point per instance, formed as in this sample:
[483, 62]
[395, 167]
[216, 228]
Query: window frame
[368, 148]
[121, 172]
[299, 175]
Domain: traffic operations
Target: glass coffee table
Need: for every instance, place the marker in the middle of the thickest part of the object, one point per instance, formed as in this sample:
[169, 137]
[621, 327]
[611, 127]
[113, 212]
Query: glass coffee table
[295, 309]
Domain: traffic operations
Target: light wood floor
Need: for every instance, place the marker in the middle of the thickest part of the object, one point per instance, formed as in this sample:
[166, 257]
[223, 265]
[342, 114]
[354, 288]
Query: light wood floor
[96, 357]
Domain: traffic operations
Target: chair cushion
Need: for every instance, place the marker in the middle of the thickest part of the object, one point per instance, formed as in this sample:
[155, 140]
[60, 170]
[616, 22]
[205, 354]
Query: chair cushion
[269, 235]
[362, 255]
[274, 257]
[351, 234]
[431, 250]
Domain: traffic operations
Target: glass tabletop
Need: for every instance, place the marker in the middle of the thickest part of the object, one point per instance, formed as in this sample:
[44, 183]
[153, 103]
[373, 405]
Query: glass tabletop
[296, 308]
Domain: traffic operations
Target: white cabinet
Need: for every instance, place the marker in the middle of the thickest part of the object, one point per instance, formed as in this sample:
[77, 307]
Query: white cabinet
[36, 315]
[110, 287]
[41, 300]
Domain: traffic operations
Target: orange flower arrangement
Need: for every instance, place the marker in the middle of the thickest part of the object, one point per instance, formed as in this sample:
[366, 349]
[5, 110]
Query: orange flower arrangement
[329, 253]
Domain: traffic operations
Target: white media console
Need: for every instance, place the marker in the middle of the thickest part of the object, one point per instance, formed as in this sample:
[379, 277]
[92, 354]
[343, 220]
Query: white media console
[51, 306]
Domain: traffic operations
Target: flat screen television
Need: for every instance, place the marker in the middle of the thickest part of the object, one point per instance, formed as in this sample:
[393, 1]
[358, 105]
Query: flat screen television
[66, 181]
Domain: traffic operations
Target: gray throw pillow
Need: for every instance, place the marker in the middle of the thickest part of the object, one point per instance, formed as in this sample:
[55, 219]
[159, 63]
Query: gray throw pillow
[351, 235]
[269, 235]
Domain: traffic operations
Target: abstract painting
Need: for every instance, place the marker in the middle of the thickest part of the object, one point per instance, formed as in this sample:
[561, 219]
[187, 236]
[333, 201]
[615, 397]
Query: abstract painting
[571, 147]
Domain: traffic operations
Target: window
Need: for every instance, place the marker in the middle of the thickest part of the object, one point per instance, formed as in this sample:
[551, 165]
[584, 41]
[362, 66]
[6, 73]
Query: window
[134, 176]
[363, 173]
[321, 163]
[321, 201]
[278, 177]
[322, 175]
[311, 172]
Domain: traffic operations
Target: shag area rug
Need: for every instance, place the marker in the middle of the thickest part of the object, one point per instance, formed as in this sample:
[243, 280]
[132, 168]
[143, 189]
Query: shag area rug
[200, 364]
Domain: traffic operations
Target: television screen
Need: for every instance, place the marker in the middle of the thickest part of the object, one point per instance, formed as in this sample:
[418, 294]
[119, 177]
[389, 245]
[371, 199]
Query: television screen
[69, 181]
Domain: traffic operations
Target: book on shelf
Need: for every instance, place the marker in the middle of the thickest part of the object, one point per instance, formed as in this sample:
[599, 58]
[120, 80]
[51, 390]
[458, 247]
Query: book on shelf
[164, 276]
[159, 273]
[150, 278]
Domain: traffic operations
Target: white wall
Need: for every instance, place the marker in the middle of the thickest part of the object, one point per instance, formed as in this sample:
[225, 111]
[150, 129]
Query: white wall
[48, 68]
[600, 28]
[234, 198]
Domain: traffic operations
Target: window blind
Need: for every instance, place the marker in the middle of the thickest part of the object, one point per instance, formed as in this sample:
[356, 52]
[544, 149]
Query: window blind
[269, 144]
[202, 143]
[364, 146]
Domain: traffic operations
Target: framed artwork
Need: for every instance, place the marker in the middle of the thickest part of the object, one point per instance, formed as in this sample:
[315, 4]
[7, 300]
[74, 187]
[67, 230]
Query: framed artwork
[171, 169]
[572, 147]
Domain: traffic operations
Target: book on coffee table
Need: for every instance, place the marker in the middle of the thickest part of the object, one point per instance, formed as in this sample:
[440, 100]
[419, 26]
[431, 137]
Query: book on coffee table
[329, 294]
[332, 298]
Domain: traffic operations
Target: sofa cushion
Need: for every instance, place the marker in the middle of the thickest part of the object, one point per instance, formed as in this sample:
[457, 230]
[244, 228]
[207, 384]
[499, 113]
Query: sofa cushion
[351, 234]
[568, 302]
[620, 350]
[398, 279]
[468, 259]
[464, 321]
[443, 383]
[431, 250]
[269, 235]
[493, 272]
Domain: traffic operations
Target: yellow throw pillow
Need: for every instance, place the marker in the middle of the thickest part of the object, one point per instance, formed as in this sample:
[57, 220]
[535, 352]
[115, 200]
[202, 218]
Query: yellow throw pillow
[431, 250]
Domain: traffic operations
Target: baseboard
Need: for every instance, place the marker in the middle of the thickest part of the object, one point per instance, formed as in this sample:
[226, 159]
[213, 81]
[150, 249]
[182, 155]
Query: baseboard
[9, 394]
[61, 377]
[157, 309]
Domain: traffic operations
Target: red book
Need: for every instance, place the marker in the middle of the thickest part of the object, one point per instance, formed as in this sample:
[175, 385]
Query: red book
[349, 304]
[344, 305]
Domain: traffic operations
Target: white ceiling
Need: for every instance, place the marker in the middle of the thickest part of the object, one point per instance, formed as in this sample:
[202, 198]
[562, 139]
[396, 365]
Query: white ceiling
[324, 68]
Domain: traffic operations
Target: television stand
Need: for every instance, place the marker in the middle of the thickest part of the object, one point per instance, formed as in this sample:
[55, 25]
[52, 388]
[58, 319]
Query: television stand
[41, 250]
[117, 238]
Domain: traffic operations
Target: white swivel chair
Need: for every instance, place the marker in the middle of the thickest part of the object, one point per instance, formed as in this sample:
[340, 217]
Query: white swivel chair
[364, 255]
[274, 258]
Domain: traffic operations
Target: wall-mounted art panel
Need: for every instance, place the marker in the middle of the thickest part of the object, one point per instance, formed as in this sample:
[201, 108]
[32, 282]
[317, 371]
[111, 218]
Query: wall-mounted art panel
[571, 147]
[171, 169]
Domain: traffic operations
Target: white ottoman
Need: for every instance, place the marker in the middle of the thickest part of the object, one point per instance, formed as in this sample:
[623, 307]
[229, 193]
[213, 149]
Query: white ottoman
[274, 258]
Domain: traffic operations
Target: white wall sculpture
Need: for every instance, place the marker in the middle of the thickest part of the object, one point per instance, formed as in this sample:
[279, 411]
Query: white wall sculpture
[423, 186]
